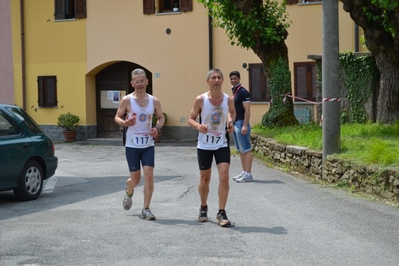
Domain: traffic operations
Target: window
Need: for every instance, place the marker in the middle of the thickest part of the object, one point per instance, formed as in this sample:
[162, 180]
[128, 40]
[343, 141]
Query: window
[7, 127]
[67, 9]
[149, 6]
[47, 91]
[257, 84]
[305, 80]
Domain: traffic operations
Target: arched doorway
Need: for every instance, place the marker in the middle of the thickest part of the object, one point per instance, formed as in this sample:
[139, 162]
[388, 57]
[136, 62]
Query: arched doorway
[112, 83]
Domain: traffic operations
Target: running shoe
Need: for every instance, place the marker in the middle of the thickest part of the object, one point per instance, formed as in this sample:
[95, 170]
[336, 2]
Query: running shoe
[147, 214]
[127, 201]
[245, 178]
[237, 177]
[222, 219]
[203, 215]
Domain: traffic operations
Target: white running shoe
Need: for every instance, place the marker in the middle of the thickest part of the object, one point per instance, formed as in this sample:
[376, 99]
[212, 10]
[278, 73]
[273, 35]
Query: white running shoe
[147, 214]
[237, 177]
[127, 201]
[245, 179]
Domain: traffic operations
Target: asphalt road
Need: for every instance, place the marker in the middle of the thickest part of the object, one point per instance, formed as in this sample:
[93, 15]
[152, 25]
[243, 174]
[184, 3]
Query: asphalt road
[279, 219]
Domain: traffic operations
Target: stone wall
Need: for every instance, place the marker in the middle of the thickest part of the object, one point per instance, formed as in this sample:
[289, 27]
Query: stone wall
[382, 182]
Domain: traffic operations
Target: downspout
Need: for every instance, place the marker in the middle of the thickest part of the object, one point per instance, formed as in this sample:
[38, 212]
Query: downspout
[356, 38]
[210, 45]
[23, 54]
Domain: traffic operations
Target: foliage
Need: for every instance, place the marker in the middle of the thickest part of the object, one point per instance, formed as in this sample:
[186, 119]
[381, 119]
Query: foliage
[381, 11]
[155, 119]
[360, 77]
[68, 121]
[279, 84]
[243, 20]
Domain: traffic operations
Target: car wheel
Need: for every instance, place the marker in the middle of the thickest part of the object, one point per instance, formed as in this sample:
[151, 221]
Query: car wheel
[30, 183]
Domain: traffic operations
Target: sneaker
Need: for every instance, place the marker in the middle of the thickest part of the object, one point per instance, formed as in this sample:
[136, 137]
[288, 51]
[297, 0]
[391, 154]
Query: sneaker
[238, 177]
[127, 201]
[203, 215]
[222, 219]
[147, 214]
[245, 179]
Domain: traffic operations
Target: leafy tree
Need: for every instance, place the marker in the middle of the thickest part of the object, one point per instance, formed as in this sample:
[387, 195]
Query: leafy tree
[260, 25]
[379, 20]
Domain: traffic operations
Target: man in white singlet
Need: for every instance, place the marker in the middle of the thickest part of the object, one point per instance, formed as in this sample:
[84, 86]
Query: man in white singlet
[138, 108]
[217, 115]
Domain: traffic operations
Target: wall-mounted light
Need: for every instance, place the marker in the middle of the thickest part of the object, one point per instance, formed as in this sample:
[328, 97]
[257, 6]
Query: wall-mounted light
[168, 31]
[244, 65]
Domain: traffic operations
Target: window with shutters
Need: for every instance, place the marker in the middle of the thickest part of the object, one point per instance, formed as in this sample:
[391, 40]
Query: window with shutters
[305, 81]
[257, 84]
[47, 91]
[69, 9]
[165, 6]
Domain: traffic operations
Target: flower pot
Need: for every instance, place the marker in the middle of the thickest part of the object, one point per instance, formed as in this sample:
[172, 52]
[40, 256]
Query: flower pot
[175, 9]
[70, 135]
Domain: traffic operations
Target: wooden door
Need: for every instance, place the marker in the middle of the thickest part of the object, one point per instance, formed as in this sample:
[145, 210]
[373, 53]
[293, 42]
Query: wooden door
[112, 83]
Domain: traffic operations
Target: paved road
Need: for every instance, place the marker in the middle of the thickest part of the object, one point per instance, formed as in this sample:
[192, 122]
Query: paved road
[280, 219]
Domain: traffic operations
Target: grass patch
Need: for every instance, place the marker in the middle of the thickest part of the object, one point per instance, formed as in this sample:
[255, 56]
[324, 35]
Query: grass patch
[367, 144]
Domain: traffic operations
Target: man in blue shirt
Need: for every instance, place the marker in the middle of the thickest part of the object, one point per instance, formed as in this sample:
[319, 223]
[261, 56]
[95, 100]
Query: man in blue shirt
[242, 128]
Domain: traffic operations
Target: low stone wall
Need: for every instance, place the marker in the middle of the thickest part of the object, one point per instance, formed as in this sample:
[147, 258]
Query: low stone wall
[382, 182]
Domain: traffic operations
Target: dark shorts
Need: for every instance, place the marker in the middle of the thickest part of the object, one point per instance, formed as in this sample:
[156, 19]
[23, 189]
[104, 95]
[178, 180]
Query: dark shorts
[134, 156]
[205, 157]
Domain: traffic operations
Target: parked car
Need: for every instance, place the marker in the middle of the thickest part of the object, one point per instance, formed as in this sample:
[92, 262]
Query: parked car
[26, 154]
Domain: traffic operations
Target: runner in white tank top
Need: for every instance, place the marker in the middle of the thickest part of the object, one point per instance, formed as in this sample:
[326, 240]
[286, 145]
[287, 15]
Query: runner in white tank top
[139, 107]
[137, 136]
[215, 117]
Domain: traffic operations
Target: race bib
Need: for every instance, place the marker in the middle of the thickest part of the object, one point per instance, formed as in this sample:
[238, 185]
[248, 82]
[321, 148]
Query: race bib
[212, 137]
[141, 139]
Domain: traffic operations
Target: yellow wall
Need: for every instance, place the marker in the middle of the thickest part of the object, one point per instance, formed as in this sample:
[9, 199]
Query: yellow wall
[75, 51]
[52, 48]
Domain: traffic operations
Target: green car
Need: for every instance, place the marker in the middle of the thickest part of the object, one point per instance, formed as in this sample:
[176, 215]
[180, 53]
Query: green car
[26, 154]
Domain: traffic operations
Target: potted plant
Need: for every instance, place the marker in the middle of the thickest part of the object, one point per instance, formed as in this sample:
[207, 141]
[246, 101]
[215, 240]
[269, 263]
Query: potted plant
[176, 6]
[69, 122]
[154, 123]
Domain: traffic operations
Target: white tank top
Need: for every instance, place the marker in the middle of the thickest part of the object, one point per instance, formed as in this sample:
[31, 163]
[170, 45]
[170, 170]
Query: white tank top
[138, 136]
[215, 117]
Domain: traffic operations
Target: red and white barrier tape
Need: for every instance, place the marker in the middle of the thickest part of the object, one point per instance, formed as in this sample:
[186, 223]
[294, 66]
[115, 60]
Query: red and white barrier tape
[299, 98]
[331, 99]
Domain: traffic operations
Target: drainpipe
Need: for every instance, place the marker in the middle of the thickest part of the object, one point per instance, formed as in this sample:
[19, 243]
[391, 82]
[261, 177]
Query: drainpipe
[356, 38]
[22, 20]
[210, 45]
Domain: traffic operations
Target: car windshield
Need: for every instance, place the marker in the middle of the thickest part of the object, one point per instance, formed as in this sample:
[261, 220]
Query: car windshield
[26, 119]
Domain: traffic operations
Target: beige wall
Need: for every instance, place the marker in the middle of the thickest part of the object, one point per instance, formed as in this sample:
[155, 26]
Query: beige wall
[181, 58]
[6, 62]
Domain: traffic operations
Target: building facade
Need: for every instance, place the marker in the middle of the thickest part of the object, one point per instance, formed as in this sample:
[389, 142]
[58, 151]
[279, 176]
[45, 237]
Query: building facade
[76, 55]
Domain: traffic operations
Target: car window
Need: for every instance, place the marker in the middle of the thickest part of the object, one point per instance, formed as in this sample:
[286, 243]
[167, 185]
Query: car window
[22, 116]
[7, 126]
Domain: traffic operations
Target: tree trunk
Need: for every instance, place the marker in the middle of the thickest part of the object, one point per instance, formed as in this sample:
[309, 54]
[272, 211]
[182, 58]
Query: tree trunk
[384, 47]
[388, 98]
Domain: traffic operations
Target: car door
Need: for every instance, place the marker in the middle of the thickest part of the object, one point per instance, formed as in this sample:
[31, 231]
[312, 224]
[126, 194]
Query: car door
[15, 148]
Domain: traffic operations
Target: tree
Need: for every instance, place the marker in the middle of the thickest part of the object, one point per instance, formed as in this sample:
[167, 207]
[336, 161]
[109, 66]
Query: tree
[260, 25]
[379, 20]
